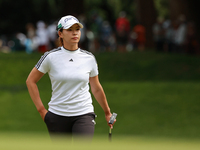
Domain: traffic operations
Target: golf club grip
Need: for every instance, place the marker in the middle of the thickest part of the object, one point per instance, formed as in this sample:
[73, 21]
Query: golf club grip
[112, 118]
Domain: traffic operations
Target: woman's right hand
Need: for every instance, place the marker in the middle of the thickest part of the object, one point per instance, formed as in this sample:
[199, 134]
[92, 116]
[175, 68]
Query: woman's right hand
[43, 113]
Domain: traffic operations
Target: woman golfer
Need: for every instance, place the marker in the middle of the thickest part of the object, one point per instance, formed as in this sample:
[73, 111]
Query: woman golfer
[71, 70]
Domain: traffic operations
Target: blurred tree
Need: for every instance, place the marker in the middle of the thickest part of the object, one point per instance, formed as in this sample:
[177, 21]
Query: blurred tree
[146, 15]
[162, 8]
[15, 14]
[178, 7]
[73, 7]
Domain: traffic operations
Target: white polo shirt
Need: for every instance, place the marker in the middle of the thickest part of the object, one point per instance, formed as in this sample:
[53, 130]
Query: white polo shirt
[69, 72]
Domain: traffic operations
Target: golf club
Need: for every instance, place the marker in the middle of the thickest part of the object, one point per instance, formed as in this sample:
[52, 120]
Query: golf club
[111, 121]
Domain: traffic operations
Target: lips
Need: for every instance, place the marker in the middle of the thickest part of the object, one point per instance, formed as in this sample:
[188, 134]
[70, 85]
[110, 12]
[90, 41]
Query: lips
[75, 38]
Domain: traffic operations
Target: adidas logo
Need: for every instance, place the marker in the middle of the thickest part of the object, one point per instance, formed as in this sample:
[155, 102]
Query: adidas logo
[71, 60]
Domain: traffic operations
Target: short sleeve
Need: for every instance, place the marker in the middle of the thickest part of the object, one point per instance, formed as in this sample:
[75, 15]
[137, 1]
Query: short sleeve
[94, 72]
[43, 64]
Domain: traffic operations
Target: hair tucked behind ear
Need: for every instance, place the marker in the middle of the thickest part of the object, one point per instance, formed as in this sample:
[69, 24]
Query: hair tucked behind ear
[60, 39]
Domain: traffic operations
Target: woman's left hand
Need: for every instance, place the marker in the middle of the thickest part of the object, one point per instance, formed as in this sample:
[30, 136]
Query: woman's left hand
[107, 116]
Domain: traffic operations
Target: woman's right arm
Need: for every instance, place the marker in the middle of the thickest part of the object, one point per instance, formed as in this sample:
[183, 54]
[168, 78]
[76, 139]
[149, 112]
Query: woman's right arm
[31, 83]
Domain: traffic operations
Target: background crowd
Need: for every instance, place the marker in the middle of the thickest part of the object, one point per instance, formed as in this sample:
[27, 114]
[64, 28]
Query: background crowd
[176, 36]
[100, 35]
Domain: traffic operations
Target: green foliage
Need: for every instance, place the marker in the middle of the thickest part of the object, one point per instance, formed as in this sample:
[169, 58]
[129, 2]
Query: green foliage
[162, 7]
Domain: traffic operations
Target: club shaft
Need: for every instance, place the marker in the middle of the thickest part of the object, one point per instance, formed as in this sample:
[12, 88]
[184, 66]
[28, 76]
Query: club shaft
[110, 134]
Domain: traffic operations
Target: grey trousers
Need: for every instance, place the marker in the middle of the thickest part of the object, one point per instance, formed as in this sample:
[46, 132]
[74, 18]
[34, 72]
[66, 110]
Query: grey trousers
[82, 126]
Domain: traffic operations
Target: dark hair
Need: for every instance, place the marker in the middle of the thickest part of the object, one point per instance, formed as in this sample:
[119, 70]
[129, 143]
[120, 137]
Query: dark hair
[60, 39]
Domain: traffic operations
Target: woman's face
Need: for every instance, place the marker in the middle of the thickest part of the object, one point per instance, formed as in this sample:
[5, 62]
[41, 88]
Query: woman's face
[72, 35]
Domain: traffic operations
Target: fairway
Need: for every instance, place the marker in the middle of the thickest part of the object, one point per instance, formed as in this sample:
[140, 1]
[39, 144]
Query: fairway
[156, 97]
[42, 142]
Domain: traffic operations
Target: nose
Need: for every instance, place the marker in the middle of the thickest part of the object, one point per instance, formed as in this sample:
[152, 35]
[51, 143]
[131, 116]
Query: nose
[75, 32]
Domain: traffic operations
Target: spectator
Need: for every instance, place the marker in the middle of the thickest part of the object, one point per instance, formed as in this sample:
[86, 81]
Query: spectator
[43, 37]
[140, 38]
[106, 33]
[31, 40]
[52, 35]
[122, 31]
[17, 42]
[169, 36]
[192, 45]
[83, 43]
[3, 47]
[94, 31]
[180, 34]
[158, 34]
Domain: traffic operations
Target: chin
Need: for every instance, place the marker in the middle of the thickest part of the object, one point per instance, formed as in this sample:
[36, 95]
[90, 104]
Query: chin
[75, 41]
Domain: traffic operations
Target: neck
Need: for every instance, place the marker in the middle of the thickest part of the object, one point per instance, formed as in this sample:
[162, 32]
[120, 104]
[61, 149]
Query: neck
[71, 47]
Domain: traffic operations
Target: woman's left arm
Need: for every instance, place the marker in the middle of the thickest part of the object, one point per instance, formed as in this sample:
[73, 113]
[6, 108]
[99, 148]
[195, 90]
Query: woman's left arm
[100, 96]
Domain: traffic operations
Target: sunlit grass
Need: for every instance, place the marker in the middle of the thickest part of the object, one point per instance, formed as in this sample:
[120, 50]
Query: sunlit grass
[29, 141]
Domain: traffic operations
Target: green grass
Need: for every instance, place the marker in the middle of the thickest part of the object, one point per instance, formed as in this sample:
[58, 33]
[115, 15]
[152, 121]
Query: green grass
[154, 94]
[147, 66]
[29, 141]
[156, 108]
